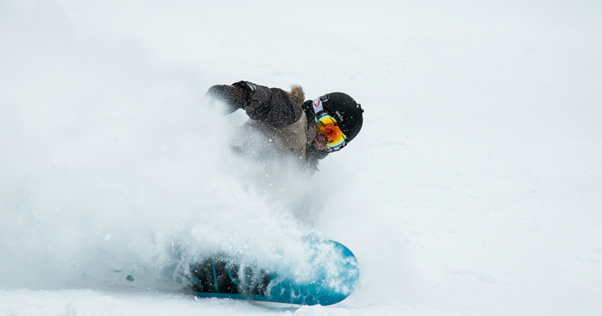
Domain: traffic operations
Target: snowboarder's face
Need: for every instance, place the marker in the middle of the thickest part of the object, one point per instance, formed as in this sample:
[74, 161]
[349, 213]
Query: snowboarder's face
[329, 135]
[321, 142]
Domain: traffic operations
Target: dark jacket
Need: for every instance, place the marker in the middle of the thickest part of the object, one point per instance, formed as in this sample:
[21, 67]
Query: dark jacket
[278, 116]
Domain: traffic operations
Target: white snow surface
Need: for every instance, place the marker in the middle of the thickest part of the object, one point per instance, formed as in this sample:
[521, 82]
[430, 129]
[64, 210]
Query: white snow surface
[474, 188]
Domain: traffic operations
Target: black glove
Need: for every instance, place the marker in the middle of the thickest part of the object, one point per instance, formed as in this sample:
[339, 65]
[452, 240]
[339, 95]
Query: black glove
[235, 96]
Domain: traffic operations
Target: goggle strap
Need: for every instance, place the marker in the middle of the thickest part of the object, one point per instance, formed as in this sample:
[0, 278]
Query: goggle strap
[318, 107]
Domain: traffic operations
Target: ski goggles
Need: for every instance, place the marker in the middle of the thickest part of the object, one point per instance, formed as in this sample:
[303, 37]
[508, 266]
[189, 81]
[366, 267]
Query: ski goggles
[327, 126]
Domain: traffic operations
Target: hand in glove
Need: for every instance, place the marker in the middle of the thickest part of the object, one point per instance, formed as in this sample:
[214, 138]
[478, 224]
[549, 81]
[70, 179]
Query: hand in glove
[235, 96]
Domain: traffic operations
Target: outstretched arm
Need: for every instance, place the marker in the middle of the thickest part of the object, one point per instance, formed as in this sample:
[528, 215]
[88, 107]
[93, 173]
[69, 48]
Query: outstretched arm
[271, 106]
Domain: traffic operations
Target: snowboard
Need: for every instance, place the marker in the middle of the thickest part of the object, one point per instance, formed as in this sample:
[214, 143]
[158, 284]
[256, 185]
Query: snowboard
[328, 277]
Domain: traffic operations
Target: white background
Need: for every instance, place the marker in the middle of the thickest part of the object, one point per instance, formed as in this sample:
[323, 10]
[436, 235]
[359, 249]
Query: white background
[474, 188]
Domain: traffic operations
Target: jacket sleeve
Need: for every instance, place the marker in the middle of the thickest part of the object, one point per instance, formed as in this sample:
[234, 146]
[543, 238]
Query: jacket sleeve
[271, 106]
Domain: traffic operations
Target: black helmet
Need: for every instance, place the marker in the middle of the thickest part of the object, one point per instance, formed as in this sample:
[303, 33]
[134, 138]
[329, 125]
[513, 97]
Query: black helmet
[346, 111]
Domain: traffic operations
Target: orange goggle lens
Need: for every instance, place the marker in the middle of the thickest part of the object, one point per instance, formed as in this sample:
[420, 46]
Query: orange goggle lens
[327, 126]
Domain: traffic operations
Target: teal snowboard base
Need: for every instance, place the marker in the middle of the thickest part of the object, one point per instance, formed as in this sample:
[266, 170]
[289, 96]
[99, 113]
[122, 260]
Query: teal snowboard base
[332, 276]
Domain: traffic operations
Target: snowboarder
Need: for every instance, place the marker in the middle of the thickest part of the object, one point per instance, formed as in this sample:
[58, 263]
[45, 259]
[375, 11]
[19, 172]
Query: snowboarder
[304, 130]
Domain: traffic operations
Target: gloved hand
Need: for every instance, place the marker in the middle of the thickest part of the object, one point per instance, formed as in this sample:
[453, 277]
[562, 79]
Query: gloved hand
[235, 96]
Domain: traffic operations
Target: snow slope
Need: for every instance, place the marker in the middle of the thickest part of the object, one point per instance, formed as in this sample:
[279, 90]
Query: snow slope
[474, 188]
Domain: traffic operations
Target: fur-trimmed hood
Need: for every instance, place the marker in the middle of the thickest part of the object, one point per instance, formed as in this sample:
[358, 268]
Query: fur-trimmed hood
[297, 94]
